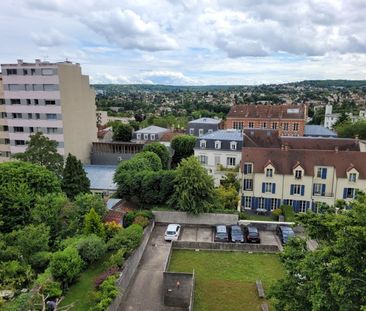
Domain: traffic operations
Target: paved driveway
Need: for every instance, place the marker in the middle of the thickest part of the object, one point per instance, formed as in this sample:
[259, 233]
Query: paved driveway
[197, 234]
[145, 293]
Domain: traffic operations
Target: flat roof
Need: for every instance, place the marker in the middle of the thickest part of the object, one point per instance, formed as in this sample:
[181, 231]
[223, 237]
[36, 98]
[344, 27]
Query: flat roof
[101, 176]
[318, 130]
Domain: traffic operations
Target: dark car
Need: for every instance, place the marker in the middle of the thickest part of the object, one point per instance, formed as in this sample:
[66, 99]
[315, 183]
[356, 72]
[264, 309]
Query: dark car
[221, 234]
[236, 234]
[285, 233]
[252, 235]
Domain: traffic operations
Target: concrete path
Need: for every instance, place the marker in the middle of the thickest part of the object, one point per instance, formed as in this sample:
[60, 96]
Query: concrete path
[145, 293]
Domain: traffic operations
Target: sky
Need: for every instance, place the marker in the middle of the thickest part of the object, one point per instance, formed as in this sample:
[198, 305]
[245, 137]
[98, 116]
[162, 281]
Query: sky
[191, 42]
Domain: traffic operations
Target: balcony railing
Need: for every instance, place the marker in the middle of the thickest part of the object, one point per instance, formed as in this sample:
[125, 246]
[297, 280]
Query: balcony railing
[326, 194]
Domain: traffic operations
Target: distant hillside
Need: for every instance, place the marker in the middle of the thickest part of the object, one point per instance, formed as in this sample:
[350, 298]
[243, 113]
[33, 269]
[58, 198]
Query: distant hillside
[332, 83]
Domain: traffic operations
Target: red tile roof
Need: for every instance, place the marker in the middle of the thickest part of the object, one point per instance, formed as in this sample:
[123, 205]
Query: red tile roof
[285, 160]
[267, 112]
[114, 216]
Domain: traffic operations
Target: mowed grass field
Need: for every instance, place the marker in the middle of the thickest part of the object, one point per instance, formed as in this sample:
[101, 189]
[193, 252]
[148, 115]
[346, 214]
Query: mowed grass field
[226, 280]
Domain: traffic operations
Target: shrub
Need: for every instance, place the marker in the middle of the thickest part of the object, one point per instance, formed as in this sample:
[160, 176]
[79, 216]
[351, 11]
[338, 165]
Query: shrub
[117, 259]
[102, 277]
[93, 224]
[243, 216]
[142, 221]
[288, 212]
[128, 238]
[66, 265]
[91, 248]
[107, 292]
[129, 218]
[276, 213]
[111, 229]
[48, 285]
[39, 261]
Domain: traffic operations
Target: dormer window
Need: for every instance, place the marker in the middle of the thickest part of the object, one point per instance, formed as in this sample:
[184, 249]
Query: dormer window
[146, 136]
[298, 174]
[217, 144]
[233, 145]
[203, 144]
[138, 136]
[352, 177]
[152, 136]
[269, 172]
[191, 131]
[209, 131]
[200, 132]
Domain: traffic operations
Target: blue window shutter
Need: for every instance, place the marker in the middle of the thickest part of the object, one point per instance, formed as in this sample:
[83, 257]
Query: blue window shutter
[263, 187]
[345, 193]
[297, 204]
[266, 203]
[302, 190]
[324, 173]
[292, 189]
[245, 169]
[307, 205]
[323, 189]
[273, 188]
[278, 203]
[313, 189]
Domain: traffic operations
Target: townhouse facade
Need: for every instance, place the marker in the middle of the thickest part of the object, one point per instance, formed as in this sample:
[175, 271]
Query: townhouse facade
[150, 133]
[303, 179]
[203, 126]
[219, 152]
[52, 98]
[289, 120]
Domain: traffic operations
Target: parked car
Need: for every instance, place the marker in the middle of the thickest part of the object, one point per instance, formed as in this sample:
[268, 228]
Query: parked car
[252, 235]
[172, 232]
[236, 234]
[221, 234]
[285, 233]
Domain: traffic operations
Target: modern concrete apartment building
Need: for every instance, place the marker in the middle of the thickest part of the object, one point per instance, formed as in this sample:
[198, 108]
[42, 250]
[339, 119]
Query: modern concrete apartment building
[52, 98]
[289, 120]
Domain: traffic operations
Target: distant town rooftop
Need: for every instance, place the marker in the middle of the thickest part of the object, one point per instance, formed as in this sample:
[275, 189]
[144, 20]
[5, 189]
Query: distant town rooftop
[152, 129]
[38, 62]
[318, 130]
[224, 135]
[206, 121]
[101, 177]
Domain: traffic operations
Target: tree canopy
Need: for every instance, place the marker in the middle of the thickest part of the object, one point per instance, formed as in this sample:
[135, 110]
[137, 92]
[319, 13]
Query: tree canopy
[161, 151]
[122, 132]
[351, 130]
[183, 147]
[43, 151]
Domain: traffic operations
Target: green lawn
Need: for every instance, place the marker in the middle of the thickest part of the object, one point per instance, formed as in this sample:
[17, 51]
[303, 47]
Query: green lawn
[226, 280]
[79, 292]
[251, 216]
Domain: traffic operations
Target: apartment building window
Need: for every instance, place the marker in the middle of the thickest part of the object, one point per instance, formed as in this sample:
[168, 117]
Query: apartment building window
[33, 72]
[49, 87]
[29, 101]
[285, 126]
[319, 189]
[238, 125]
[349, 193]
[52, 130]
[274, 126]
[25, 72]
[296, 126]
[230, 161]
[6, 141]
[36, 101]
[261, 203]
[47, 72]
[138, 136]
[191, 131]
[251, 125]
[248, 185]
[297, 189]
[30, 116]
[200, 132]
[50, 102]
[302, 206]
[247, 202]
[15, 101]
[18, 129]
[269, 172]
[274, 204]
[203, 144]
[2, 101]
[5, 128]
[203, 159]
[268, 187]
[233, 145]
[321, 172]
[352, 177]
[29, 87]
[248, 168]
[38, 116]
[16, 115]
[31, 130]
[264, 125]
[19, 142]
[4, 115]
[53, 116]
[217, 144]
[10, 72]
[298, 174]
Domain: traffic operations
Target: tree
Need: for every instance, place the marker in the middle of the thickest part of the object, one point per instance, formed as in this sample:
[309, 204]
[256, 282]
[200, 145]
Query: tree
[152, 158]
[20, 183]
[193, 187]
[93, 224]
[230, 180]
[66, 265]
[333, 277]
[343, 118]
[122, 132]
[91, 248]
[85, 202]
[74, 179]
[183, 147]
[227, 198]
[161, 151]
[43, 151]
[351, 130]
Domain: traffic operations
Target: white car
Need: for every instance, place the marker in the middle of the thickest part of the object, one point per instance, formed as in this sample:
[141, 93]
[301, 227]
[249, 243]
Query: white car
[172, 232]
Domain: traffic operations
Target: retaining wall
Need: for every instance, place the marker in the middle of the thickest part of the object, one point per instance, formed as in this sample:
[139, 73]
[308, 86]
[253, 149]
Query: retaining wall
[130, 267]
[246, 247]
[178, 296]
[190, 219]
[271, 225]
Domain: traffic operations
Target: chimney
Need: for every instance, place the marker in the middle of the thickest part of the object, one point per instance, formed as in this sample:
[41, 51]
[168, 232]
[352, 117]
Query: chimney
[38, 61]
[20, 62]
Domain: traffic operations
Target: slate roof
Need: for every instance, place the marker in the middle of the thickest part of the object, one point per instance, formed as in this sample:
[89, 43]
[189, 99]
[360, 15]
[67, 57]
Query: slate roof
[232, 135]
[285, 160]
[152, 129]
[267, 112]
[101, 176]
[206, 121]
[112, 203]
[318, 130]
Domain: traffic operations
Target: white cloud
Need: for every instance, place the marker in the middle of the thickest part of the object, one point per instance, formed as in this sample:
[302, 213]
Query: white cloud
[49, 38]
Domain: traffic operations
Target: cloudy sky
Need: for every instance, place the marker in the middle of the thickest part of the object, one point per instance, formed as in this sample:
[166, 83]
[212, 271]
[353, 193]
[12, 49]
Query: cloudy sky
[191, 41]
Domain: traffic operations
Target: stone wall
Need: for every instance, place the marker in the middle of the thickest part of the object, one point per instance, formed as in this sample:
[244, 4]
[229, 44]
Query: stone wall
[129, 268]
[270, 225]
[201, 219]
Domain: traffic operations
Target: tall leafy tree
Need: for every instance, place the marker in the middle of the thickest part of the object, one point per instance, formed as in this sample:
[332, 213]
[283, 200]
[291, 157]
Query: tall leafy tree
[183, 148]
[42, 151]
[193, 187]
[122, 132]
[162, 152]
[74, 179]
[93, 224]
[333, 277]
